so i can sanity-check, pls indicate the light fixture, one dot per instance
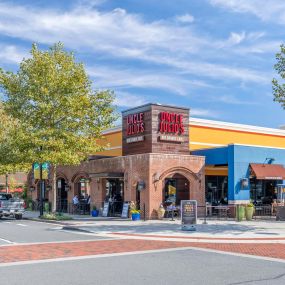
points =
(269, 160)
(49, 187)
(155, 179)
(32, 188)
(67, 188)
(140, 185)
(244, 183)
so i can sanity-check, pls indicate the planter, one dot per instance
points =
(240, 213)
(94, 213)
(249, 213)
(136, 217)
(160, 213)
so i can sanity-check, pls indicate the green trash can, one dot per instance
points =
(46, 206)
(240, 215)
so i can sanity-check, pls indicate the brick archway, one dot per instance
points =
(188, 174)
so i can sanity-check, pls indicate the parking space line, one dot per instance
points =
(21, 225)
(6, 240)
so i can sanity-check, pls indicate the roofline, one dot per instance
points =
(155, 104)
(234, 126)
(220, 125)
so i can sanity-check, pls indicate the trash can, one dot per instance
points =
(240, 215)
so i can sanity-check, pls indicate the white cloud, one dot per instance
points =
(236, 38)
(186, 18)
(119, 34)
(266, 10)
(203, 113)
(11, 54)
(130, 78)
(125, 99)
(230, 99)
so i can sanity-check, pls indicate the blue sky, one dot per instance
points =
(214, 56)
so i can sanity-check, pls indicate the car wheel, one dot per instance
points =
(18, 217)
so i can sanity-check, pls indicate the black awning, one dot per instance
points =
(107, 175)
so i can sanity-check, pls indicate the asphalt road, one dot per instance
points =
(168, 267)
(25, 231)
(174, 267)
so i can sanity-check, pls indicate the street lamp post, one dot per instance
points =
(41, 191)
(6, 180)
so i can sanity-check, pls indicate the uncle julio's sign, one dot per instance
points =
(156, 128)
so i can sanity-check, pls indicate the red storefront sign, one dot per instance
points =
(171, 123)
(135, 124)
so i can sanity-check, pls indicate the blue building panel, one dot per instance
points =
(238, 159)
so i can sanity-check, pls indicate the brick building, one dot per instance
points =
(155, 156)
(159, 148)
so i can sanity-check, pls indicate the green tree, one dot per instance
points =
(60, 114)
(277, 87)
(11, 159)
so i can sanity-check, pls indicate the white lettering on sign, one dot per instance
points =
(135, 139)
(171, 138)
(273, 178)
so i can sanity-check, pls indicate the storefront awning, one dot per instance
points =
(268, 171)
(107, 175)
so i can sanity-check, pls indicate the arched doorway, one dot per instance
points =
(176, 188)
(62, 203)
(80, 187)
(115, 195)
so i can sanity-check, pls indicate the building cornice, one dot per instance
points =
(220, 125)
(235, 127)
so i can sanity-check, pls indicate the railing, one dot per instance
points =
(264, 212)
(70, 208)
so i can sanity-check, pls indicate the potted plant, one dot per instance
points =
(161, 212)
(136, 215)
(94, 212)
(240, 212)
(249, 209)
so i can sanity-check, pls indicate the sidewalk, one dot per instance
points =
(259, 230)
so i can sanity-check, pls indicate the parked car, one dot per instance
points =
(11, 207)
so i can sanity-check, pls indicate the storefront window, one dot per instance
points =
(263, 191)
(216, 189)
(82, 188)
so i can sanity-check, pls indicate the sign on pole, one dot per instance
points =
(188, 214)
(45, 170)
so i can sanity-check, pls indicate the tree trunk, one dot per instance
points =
(54, 190)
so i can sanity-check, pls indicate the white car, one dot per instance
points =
(11, 207)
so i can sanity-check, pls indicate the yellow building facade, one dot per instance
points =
(209, 134)
(205, 134)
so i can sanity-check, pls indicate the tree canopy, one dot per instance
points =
(11, 158)
(278, 87)
(59, 114)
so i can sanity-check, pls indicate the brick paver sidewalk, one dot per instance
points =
(15, 253)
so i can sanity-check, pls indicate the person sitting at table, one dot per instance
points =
(223, 201)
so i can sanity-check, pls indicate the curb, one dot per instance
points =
(45, 221)
(70, 228)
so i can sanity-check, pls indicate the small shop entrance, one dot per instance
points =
(176, 188)
(115, 196)
(263, 192)
(62, 205)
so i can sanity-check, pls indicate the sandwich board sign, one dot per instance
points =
(105, 209)
(188, 214)
(125, 210)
